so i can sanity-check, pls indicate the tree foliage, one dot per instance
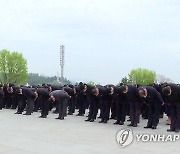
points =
(13, 67)
(34, 79)
(142, 76)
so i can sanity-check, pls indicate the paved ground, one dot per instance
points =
(31, 135)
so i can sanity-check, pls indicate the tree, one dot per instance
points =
(13, 67)
(92, 83)
(124, 80)
(162, 79)
(34, 79)
(142, 76)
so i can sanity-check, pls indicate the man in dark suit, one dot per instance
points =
(172, 93)
(94, 104)
(121, 101)
(105, 100)
(135, 103)
(31, 96)
(43, 93)
(155, 101)
(62, 98)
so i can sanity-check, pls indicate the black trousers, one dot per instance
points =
(93, 108)
(62, 107)
(113, 109)
(82, 104)
(175, 115)
(72, 104)
(121, 111)
(30, 106)
(1, 102)
(105, 110)
(154, 111)
(37, 104)
(135, 111)
(21, 106)
(45, 107)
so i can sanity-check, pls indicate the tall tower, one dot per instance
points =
(62, 60)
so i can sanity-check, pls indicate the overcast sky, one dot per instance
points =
(104, 39)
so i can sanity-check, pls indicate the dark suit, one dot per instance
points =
(174, 100)
(135, 103)
(62, 98)
(154, 101)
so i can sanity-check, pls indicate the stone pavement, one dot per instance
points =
(21, 134)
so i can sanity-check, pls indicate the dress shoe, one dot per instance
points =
(129, 120)
(70, 113)
(116, 123)
(87, 119)
(135, 125)
(58, 118)
(101, 121)
(154, 127)
(105, 121)
(130, 125)
(121, 123)
(18, 113)
(43, 116)
(171, 130)
(62, 118)
(27, 114)
(148, 127)
(92, 120)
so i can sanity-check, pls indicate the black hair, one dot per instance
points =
(166, 90)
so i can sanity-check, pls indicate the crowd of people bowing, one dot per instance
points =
(113, 102)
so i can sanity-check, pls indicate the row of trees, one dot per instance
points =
(34, 78)
(13, 69)
(144, 77)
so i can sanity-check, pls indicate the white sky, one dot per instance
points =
(104, 39)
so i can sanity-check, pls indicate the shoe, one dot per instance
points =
(87, 119)
(112, 118)
(148, 127)
(99, 117)
(43, 116)
(62, 118)
(70, 113)
(58, 118)
(129, 120)
(154, 127)
(27, 114)
(130, 125)
(101, 121)
(168, 124)
(18, 113)
(105, 121)
(92, 120)
(170, 130)
(135, 125)
(116, 123)
(121, 123)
